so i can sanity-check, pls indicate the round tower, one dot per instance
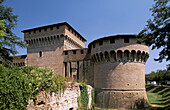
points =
(119, 71)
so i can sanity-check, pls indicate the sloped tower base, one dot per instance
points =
(128, 99)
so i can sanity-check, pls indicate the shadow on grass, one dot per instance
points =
(164, 91)
(159, 98)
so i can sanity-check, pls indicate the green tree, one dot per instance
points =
(157, 31)
(8, 40)
(2, 31)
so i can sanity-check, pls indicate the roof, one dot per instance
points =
(114, 36)
(57, 24)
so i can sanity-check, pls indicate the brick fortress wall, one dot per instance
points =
(114, 65)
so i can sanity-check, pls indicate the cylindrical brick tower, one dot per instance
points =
(119, 71)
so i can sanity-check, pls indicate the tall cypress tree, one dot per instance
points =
(9, 40)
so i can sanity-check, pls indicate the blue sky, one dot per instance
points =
(91, 18)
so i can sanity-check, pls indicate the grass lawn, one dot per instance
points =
(159, 97)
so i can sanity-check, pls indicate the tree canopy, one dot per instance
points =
(8, 39)
(2, 31)
(157, 31)
(161, 76)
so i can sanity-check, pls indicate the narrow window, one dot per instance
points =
(51, 28)
(66, 52)
(112, 40)
(34, 31)
(39, 30)
(100, 43)
(57, 27)
(82, 52)
(29, 32)
(45, 29)
(65, 64)
(74, 51)
(93, 45)
(126, 40)
(40, 54)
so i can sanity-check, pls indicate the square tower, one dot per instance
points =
(47, 43)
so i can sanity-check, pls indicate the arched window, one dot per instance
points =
(40, 54)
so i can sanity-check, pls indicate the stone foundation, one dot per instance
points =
(65, 100)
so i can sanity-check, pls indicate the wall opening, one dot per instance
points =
(82, 52)
(40, 54)
(106, 54)
(119, 55)
(113, 55)
(65, 65)
(126, 55)
(101, 56)
(100, 43)
(126, 40)
(74, 52)
(133, 55)
(112, 40)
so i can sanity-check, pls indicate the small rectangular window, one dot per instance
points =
(66, 52)
(112, 40)
(51, 28)
(74, 51)
(82, 52)
(94, 45)
(39, 30)
(45, 29)
(40, 54)
(126, 40)
(100, 43)
(57, 27)
(29, 32)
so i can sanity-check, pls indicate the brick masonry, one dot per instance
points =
(113, 64)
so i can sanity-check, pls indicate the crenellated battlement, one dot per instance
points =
(121, 56)
(44, 41)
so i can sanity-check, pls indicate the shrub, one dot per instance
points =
(84, 97)
(17, 85)
(14, 89)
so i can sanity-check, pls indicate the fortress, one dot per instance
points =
(113, 65)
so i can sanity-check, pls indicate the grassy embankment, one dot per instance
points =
(159, 97)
